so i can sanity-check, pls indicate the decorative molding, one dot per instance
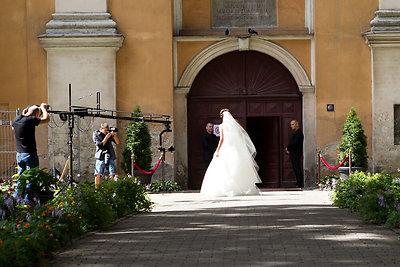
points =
(225, 46)
(244, 43)
(81, 30)
(181, 90)
(197, 38)
(386, 20)
(80, 24)
(85, 41)
(385, 29)
(307, 89)
(382, 39)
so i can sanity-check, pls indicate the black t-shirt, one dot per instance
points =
(24, 131)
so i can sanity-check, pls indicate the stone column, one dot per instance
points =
(81, 43)
(180, 135)
(384, 40)
(310, 147)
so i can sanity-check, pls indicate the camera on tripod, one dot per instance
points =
(113, 129)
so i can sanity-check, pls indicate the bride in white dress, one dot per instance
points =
(233, 170)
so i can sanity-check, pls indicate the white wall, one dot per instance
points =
(386, 85)
(69, 6)
(88, 70)
(389, 4)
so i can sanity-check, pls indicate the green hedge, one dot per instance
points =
(376, 197)
(29, 232)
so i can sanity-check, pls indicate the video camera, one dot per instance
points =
(113, 129)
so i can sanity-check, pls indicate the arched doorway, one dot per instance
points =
(262, 94)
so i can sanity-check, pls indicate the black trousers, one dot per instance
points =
(297, 171)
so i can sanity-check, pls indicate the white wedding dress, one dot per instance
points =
(234, 172)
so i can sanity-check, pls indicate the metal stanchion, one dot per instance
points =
(319, 167)
(349, 162)
(162, 169)
(133, 165)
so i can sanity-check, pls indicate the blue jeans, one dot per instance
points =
(101, 166)
(26, 161)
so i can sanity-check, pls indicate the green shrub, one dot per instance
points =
(374, 205)
(126, 196)
(40, 182)
(348, 192)
(393, 220)
(157, 186)
(29, 232)
(355, 140)
(138, 142)
(328, 182)
(376, 197)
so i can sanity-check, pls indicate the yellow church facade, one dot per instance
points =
(267, 61)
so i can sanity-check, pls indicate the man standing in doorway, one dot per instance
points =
(295, 151)
(24, 131)
(210, 143)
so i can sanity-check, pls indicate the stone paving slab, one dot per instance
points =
(276, 228)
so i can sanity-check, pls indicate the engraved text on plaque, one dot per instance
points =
(243, 13)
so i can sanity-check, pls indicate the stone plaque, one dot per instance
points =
(243, 13)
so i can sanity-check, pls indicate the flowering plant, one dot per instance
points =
(170, 186)
(376, 197)
(30, 231)
(36, 181)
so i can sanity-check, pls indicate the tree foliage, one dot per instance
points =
(138, 142)
(353, 138)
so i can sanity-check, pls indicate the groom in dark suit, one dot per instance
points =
(210, 143)
(295, 151)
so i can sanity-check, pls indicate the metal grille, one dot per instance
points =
(8, 151)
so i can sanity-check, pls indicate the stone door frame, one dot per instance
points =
(242, 44)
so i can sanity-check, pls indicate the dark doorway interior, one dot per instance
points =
(265, 134)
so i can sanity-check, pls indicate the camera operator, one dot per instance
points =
(105, 155)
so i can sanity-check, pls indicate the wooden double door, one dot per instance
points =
(262, 95)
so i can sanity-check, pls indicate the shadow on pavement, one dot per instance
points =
(276, 235)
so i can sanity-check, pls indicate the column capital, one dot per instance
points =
(81, 30)
(182, 90)
(307, 89)
(385, 29)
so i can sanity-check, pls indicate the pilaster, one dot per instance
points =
(384, 40)
(81, 42)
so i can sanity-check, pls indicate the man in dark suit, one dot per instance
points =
(295, 151)
(210, 143)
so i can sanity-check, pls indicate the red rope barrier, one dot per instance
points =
(332, 168)
(150, 172)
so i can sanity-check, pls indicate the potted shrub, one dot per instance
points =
(355, 140)
(41, 184)
(138, 141)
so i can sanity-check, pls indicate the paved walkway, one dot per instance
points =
(277, 228)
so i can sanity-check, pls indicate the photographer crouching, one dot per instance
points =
(105, 155)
